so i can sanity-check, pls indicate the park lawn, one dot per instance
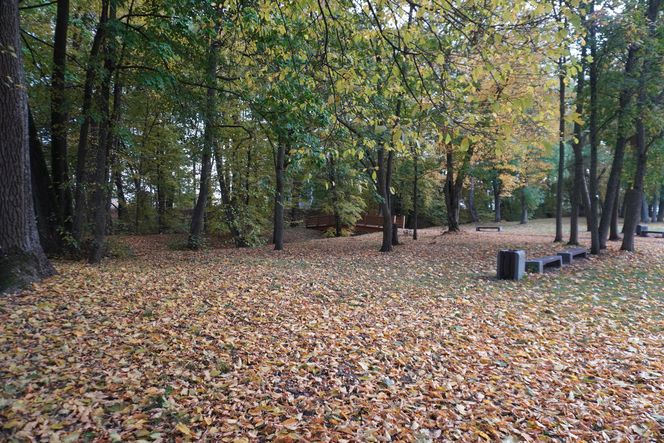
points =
(331, 340)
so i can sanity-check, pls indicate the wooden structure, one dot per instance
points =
(368, 223)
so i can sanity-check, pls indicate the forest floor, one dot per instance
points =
(331, 340)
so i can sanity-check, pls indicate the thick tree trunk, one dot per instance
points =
(279, 197)
(637, 191)
(100, 195)
(453, 186)
(83, 142)
(471, 202)
(561, 155)
(43, 196)
(613, 183)
(59, 160)
(524, 207)
(22, 259)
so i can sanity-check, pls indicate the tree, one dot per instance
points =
(22, 259)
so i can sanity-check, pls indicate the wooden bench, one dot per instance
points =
(494, 228)
(568, 255)
(539, 264)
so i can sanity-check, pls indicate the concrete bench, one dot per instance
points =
(539, 264)
(568, 255)
(489, 228)
(643, 231)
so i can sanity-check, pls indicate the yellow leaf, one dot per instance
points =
(184, 429)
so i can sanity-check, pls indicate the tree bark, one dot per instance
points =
(660, 212)
(83, 142)
(524, 207)
(636, 193)
(107, 125)
(614, 232)
(577, 147)
(453, 186)
(195, 240)
(22, 259)
(645, 213)
(594, 137)
(383, 192)
(390, 197)
(471, 201)
(44, 199)
(495, 183)
(279, 197)
(59, 161)
(613, 183)
(415, 196)
(561, 155)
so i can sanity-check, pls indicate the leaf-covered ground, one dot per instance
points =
(333, 341)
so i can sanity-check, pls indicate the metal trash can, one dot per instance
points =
(511, 264)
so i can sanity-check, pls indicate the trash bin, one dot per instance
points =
(511, 264)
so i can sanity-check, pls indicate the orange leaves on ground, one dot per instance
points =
(333, 341)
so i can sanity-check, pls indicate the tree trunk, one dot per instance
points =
(660, 212)
(561, 156)
(451, 201)
(119, 187)
(612, 186)
(645, 213)
(653, 212)
(594, 140)
(22, 259)
(59, 161)
(279, 197)
(106, 135)
(43, 196)
(453, 186)
(614, 232)
(195, 240)
(226, 201)
(471, 202)
(524, 207)
(577, 147)
(390, 198)
(415, 197)
(636, 193)
(383, 192)
(82, 151)
(332, 178)
(495, 183)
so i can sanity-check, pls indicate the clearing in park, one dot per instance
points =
(331, 340)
